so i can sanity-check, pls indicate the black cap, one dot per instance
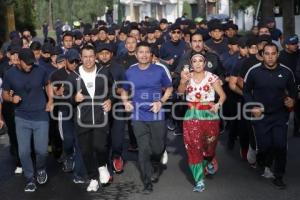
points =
(233, 40)
(215, 25)
(103, 28)
(35, 46)
(184, 22)
(60, 58)
(111, 31)
(231, 25)
(95, 31)
(242, 42)
(155, 50)
(103, 46)
(14, 48)
(252, 40)
(68, 33)
(47, 48)
(186, 31)
(123, 30)
(56, 50)
(27, 56)
(157, 28)
(87, 32)
(72, 54)
(269, 20)
(78, 35)
(192, 25)
(150, 30)
(174, 27)
(264, 38)
(14, 34)
(291, 40)
(163, 21)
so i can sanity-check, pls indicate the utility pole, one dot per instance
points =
(50, 22)
(132, 14)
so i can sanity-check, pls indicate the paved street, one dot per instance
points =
(235, 180)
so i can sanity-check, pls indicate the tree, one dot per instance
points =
(288, 17)
(187, 9)
(201, 8)
(267, 7)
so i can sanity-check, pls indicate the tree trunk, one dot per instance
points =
(50, 20)
(267, 9)
(10, 17)
(201, 8)
(288, 17)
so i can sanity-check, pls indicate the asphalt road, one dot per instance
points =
(235, 180)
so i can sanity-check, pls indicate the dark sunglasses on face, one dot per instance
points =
(178, 32)
(74, 61)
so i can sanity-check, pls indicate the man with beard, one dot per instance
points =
(25, 87)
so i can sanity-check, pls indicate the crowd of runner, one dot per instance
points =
(78, 95)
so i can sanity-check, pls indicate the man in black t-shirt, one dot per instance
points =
(289, 56)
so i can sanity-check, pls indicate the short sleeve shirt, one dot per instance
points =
(146, 87)
(203, 91)
(31, 88)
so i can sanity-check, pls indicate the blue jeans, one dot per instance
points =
(70, 143)
(26, 129)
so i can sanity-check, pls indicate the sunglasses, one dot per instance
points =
(74, 61)
(178, 32)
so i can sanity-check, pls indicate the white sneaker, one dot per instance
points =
(103, 174)
(18, 170)
(251, 156)
(268, 173)
(164, 158)
(93, 186)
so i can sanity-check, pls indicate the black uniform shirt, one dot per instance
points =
(269, 87)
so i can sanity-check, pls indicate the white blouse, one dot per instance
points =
(203, 91)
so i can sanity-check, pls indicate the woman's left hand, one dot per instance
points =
(215, 108)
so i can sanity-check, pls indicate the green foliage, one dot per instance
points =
(24, 15)
(243, 4)
(187, 9)
(71, 10)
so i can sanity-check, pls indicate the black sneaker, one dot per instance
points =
(68, 165)
(30, 187)
(148, 188)
(155, 174)
(42, 177)
(171, 125)
(78, 179)
(279, 184)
